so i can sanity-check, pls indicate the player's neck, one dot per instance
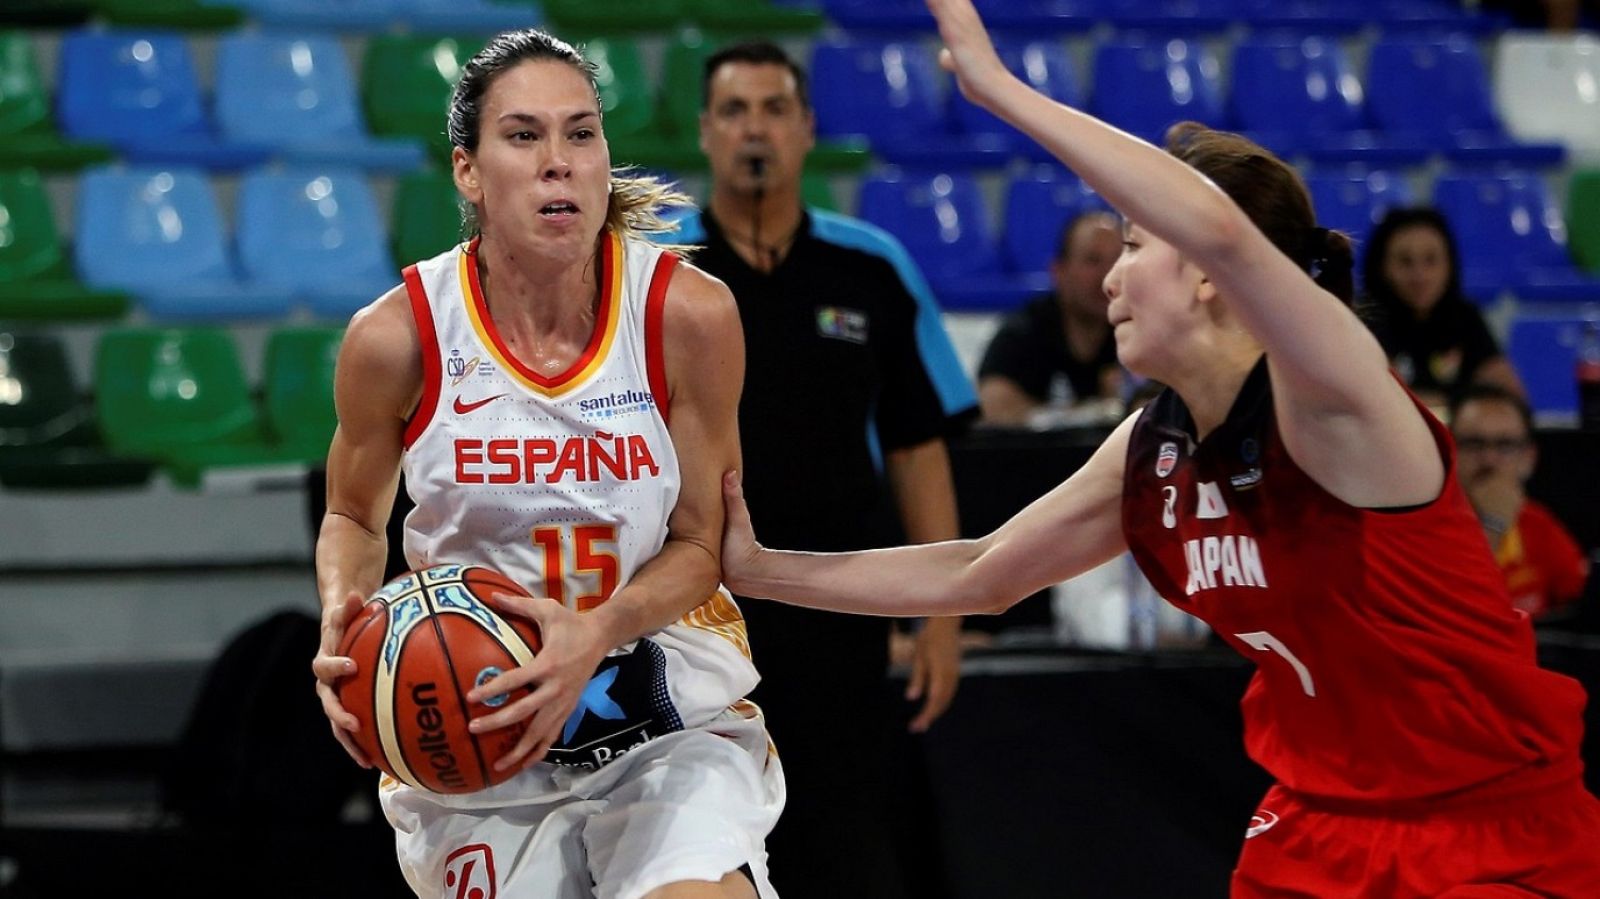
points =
(535, 295)
(1210, 392)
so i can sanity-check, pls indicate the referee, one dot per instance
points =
(851, 386)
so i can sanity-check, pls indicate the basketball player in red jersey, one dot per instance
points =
(1291, 493)
(523, 381)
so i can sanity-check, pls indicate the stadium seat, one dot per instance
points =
(892, 93)
(1042, 65)
(879, 15)
(298, 389)
(47, 429)
(1043, 17)
(1544, 351)
(613, 16)
(1321, 18)
(427, 216)
(753, 16)
(470, 16)
(1355, 201)
(1511, 237)
(1434, 91)
(36, 279)
(406, 82)
(1144, 87)
(942, 221)
(158, 234)
(1583, 219)
(1299, 95)
(185, 14)
(1174, 17)
(315, 233)
(179, 396)
(28, 136)
(1548, 87)
(625, 92)
(683, 67)
(1038, 205)
(296, 95)
(138, 91)
(326, 15)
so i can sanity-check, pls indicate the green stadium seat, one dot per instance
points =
(36, 281)
(753, 16)
(45, 13)
(406, 82)
(815, 190)
(299, 390)
(1583, 219)
(625, 92)
(684, 68)
(179, 396)
(427, 216)
(184, 14)
(613, 16)
(28, 135)
(47, 431)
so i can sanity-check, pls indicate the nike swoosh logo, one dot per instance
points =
(463, 408)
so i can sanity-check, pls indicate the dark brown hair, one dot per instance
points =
(1271, 193)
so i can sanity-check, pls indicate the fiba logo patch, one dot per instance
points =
(1166, 459)
(469, 873)
(484, 676)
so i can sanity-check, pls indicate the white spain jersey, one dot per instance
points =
(564, 484)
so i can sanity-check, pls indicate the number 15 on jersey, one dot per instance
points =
(581, 557)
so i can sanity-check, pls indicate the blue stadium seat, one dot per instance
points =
(1174, 17)
(316, 233)
(296, 94)
(1435, 91)
(892, 93)
(1544, 351)
(1039, 204)
(1424, 16)
(1145, 86)
(1355, 201)
(879, 15)
(138, 91)
(1511, 237)
(1300, 95)
(1035, 17)
(350, 15)
(1043, 65)
(468, 16)
(157, 234)
(945, 227)
(1300, 17)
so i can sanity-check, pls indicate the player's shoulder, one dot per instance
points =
(383, 334)
(699, 301)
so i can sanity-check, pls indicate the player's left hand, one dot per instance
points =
(571, 648)
(935, 670)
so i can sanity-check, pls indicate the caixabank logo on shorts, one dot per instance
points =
(624, 706)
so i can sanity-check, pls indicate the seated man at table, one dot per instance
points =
(1544, 566)
(1056, 356)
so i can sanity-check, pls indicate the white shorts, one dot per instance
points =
(691, 805)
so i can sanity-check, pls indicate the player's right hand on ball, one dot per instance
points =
(329, 668)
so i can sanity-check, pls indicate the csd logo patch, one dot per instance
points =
(469, 873)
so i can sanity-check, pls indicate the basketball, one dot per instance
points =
(419, 644)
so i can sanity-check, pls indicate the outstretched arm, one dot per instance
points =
(1344, 418)
(1068, 531)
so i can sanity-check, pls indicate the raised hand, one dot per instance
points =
(968, 52)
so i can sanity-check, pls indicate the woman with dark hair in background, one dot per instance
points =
(1287, 490)
(643, 773)
(1435, 337)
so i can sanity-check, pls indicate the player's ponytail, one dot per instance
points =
(1271, 193)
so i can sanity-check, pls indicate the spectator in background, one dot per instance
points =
(1435, 337)
(1543, 564)
(1057, 351)
(850, 388)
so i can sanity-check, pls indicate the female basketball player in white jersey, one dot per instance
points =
(562, 396)
(1287, 490)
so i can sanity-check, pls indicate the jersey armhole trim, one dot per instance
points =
(655, 352)
(431, 371)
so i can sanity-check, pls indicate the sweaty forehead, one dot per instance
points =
(544, 87)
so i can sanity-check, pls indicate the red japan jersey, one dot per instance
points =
(1390, 664)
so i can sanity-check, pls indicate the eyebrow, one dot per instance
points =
(539, 120)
